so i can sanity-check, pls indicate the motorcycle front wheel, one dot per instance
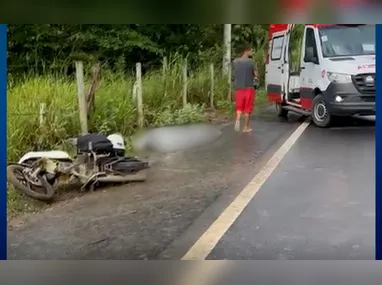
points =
(16, 177)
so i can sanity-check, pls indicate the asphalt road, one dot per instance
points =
(318, 204)
(319, 201)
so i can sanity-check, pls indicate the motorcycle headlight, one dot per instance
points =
(339, 77)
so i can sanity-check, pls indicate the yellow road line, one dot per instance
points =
(207, 242)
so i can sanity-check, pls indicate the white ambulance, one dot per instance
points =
(321, 70)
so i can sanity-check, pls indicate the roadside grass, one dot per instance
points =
(114, 111)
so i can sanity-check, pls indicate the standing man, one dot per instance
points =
(243, 76)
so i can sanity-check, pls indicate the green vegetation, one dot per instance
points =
(41, 71)
(114, 107)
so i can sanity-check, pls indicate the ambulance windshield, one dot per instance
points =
(349, 40)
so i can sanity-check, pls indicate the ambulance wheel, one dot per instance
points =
(320, 113)
(281, 112)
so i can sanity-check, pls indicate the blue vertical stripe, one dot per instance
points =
(378, 158)
(3, 141)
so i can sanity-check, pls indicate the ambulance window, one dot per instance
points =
(310, 42)
(277, 47)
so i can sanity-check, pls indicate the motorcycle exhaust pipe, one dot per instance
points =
(136, 177)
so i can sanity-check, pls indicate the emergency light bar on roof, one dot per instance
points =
(275, 28)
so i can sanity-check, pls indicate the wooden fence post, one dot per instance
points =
(139, 94)
(229, 75)
(42, 114)
(82, 100)
(185, 83)
(212, 90)
(165, 67)
(96, 69)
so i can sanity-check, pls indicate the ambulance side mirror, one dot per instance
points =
(310, 56)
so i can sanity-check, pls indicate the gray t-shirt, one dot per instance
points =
(242, 73)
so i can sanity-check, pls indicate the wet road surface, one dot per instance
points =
(140, 221)
(319, 203)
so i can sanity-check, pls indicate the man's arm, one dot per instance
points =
(232, 80)
(255, 77)
(255, 74)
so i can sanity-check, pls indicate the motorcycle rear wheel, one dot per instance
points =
(16, 177)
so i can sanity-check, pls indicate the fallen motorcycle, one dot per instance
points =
(99, 159)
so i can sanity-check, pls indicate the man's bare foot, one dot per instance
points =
(237, 126)
(247, 130)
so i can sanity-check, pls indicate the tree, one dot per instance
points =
(41, 48)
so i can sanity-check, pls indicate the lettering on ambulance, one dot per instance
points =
(366, 66)
(306, 97)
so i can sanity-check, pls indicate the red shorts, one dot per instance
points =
(244, 99)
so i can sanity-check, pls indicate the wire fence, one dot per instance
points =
(85, 101)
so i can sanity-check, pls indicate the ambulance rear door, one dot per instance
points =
(275, 63)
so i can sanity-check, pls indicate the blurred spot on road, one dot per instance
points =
(176, 138)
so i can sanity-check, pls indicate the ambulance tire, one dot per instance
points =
(281, 112)
(320, 113)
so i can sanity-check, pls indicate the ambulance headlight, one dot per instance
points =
(339, 77)
(338, 99)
